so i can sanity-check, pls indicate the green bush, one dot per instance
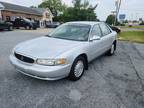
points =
(142, 23)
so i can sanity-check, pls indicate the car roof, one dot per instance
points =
(84, 22)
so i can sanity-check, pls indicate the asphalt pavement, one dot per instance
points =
(111, 81)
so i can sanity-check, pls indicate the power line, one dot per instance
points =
(118, 5)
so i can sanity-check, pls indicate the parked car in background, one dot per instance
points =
(52, 24)
(6, 25)
(130, 24)
(114, 28)
(37, 23)
(26, 23)
(65, 52)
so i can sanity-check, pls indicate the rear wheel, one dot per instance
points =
(112, 49)
(34, 28)
(10, 28)
(77, 69)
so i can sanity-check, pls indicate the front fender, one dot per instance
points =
(73, 53)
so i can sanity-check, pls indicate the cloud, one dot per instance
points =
(24, 2)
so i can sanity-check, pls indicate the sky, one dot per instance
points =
(134, 9)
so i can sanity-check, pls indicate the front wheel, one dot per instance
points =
(27, 27)
(77, 69)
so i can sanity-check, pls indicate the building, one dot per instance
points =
(9, 12)
(47, 15)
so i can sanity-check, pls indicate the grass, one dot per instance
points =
(133, 36)
(138, 27)
(134, 27)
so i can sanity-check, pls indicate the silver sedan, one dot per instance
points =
(65, 52)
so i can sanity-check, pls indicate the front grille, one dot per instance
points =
(24, 58)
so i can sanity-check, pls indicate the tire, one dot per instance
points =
(112, 50)
(77, 69)
(27, 27)
(10, 28)
(34, 28)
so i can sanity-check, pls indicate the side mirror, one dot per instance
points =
(95, 38)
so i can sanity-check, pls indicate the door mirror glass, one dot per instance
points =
(95, 38)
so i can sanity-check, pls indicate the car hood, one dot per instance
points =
(45, 47)
(9, 23)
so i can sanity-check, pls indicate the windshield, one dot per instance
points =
(1, 21)
(75, 32)
(27, 20)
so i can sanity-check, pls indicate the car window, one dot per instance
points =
(1, 21)
(96, 31)
(27, 20)
(105, 29)
(75, 32)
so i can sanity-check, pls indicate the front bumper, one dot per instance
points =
(40, 71)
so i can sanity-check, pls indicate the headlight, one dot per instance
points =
(51, 62)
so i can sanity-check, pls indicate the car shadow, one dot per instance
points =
(19, 78)
(3, 31)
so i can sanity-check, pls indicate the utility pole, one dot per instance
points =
(118, 5)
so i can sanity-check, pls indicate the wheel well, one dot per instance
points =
(86, 58)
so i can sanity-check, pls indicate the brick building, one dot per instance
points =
(8, 12)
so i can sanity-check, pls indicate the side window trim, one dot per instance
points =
(101, 31)
(107, 28)
(93, 29)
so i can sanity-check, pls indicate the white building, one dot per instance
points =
(47, 16)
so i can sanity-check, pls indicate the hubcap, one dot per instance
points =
(11, 27)
(112, 49)
(79, 68)
(27, 27)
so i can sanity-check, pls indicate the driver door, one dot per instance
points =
(22, 23)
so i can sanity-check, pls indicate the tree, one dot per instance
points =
(33, 7)
(86, 4)
(110, 19)
(54, 5)
(77, 4)
(126, 21)
(81, 10)
(142, 23)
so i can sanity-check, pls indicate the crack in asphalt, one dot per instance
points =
(110, 84)
(135, 69)
(111, 74)
(132, 64)
(138, 52)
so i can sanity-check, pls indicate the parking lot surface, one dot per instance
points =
(111, 81)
